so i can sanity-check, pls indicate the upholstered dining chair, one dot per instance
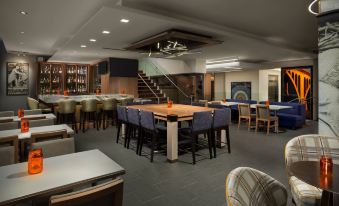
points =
(309, 148)
(264, 115)
(106, 194)
(6, 114)
(133, 129)
(121, 119)
(35, 104)
(109, 107)
(250, 187)
(89, 113)
(201, 124)
(221, 121)
(9, 150)
(245, 113)
(148, 126)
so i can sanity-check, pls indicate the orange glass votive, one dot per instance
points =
(21, 112)
(35, 161)
(326, 165)
(169, 103)
(224, 100)
(24, 125)
(97, 91)
(267, 103)
(65, 93)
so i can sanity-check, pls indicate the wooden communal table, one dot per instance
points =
(177, 113)
(309, 172)
(60, 173)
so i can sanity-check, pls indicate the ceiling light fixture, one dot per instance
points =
(22, 32)
(23, 12)
(92, 40)
(124, 20)
(310, 7)
(106, 32)
(83, 46)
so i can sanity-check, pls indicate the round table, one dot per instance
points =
(309, 172)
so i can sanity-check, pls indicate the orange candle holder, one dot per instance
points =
(21, 112)
(326, 165)
(66, 93)
(267, 103)
(24, 125)
(169, 103)
(35, 161)
(224, 100)
(97, 91)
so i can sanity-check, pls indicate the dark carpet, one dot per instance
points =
(184, 184)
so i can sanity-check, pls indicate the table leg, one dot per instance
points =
(172, 140)
(327, 198)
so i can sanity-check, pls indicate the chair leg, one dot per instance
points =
(138, 140)
(249, 124)
(256, 126)
(228, 139)
(127, 135)
(153, 146)
(118, 132)
(97, 120)
(239, 122)
(74, 122)
(209, 139)
(268, 127)
(193, 149)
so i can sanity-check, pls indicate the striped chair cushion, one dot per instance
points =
(309, 148)
(249, 187)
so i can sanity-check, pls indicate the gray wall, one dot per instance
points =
(14, 102)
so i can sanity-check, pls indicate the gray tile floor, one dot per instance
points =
(183, 184)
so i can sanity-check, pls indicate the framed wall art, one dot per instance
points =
(17, 78)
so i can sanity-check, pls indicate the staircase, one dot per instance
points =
(147, 89)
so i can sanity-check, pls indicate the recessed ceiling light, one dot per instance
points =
(23, 12)
(92, 40)
(83, 46)
(106, 32)
(124, 20)
(22, 32)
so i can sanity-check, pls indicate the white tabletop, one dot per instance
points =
(17, 119)
(273, 107)
(26, 135)
(227, 104)
(60, 173)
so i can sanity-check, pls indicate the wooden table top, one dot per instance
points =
(309, 172)
(180, 110)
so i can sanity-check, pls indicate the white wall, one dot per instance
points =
(219, 86)
(263, 86)
(171, 66)
(243, 76)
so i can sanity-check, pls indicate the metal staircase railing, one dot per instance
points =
(162, 73)
(150, 88)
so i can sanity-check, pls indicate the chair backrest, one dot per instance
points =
(89, 105)
(244, 109)
(133, 116)
(203, 102)
(147, 120)
(8, 126)
(221, 118)
(56, 147)
(107, 104)
(263, 112)
(9, 150)
(122, 113)
(44, 136)
(247, 186)
(33, 112)
(32, 103)
(216, 106)
(67, 106)
(6, 114)
(202, 121)
(106, 194)
(310, 148)
(41, 122)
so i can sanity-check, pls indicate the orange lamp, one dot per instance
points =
(21, 112)
(24, 125)
(326, 165)
(169, 103)
(35, 161)
(267, 103)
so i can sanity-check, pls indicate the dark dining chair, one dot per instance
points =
(121, 119)
(201, 124)
(221, 121)
(148, 126)
(133, 129)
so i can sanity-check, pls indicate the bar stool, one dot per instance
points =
(133, 120)
(66, 113)
(221, 121)
(121, 119)
(109, 107)
(89, 113)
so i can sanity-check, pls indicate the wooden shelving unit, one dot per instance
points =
(55, 78)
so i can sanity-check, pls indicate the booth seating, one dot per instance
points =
(309, 148)
(291, 118)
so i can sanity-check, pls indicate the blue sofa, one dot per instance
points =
(291, 118)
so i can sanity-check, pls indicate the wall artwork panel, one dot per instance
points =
(328, 44)
(17, 78)
(241, 90)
